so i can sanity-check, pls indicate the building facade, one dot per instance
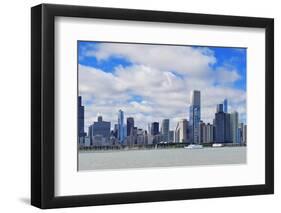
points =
(195, 116)
(244, 134)
(99, 132)
(165, 127)
(210, 133)
(121, 127)
(130, 125)
(225, 106)
(180, 131)
(222, 126)
(203, 132)
(171, 136)
(154, 128)
(81, 111)
(234, 118)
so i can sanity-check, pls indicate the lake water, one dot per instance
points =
(160, 158)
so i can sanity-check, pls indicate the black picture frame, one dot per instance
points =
(43, 105)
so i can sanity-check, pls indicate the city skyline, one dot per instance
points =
(226, 128)
(112, 76)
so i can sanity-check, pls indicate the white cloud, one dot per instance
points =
(161, 57)
(162, 78)
(225, 76)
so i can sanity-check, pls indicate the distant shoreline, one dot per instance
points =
(94, 150)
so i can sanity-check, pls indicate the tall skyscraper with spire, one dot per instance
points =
(81, 112)
(195, 116)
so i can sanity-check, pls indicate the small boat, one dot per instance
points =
(217, 145)
(194, 146)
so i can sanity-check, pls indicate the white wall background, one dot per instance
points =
(15, 105)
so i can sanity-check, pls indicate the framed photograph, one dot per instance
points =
(140, 106)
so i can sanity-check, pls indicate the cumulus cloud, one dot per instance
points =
(225, 76)
(157, 84)
(162, 57)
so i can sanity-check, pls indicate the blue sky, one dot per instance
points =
(153, 82)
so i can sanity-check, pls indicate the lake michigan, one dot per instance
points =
(129, 159)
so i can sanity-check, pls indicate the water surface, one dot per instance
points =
(160, 158)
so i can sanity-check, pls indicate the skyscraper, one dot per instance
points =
(222, 126)
(165, 129)
(154, 128)
(101, 127)
(149, 128)
(171, 136)
(99, 118)
(245, 134)
(115, 131)
(121, 129)
(227, 129)
(225, 106)
(203, 132)
(234, 127)
(130, 125)
(195, 116)
(239, 135)
(220, 108)
(81, 132)
(220, 129)
(90, 133)
(210, 133)
(180, 131)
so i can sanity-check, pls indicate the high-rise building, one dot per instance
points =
(206, 132)
(203, 132)
(210, 133)
(234, 127)
(177, 133)
(239, 135)
(87, 141)
(187, 132)
(130, 125)
(180, 131)
(115, 131)
(165, 127)
(81, 131)
(132, 138)
(195, 116)
(141, 137)
(222, 126)
(225, 106)
(220, 108)
(121, 129)
(220, 123)
(244, 134)
(149, 128)
(227, 128)
(90, 133)
(171, 136)
(101, 128)
(154, 128)
(99, 118)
